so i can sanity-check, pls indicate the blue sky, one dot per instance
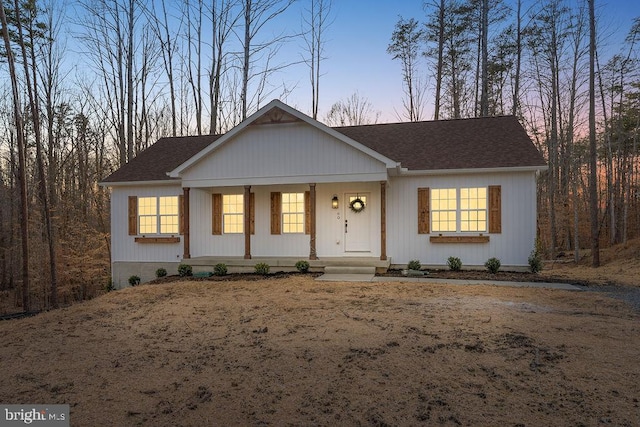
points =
(357, 59)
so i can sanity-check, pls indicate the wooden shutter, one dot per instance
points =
(276, 213)
(252, 213)
(423, 211)
(181, 214)
(307, 212)
(216, 214)
(495, 209)
(133, 215)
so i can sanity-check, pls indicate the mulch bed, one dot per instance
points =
(507, 276)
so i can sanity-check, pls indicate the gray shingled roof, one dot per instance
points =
(165, 155)
(491, 142)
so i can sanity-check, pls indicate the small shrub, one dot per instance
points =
(109, 286)
(535, 261)
(454, 263)
(493, 265)
(302, 266)
(262, 268)
(220, 269)
(161, 272)
(134, 280)
(185, 270)
(414, 264)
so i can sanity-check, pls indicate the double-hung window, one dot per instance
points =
(473, 209)
(444, 209)
(158, 215)
(293, 212)
(233, 213)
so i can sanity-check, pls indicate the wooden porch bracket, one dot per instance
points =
(383, 220)
(185, 219)
(247, 222)
(312, 213)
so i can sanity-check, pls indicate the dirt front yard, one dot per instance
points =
(294, 351)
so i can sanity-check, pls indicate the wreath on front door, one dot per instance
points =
(357, 205)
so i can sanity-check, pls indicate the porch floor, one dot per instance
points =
(241, 265)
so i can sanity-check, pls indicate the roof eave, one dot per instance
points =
(136, 183)
(406, 172)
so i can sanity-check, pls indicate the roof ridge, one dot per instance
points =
(459, 119)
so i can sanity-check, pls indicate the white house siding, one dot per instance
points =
(329, 223)
(512, 246)
(294, 153)
(127, 256)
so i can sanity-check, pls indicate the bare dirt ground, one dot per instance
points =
(294, 351)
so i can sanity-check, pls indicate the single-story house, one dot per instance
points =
(282, 187)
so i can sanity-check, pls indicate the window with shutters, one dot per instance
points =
(467, 209)
(293, 212)
(233, 213)
(158, 215)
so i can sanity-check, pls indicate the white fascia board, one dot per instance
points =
(282, 180)
(292, 111)
(140, 183)
(405, 172)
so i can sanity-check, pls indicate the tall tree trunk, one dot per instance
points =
(515, 108)
(246, 56)
(130, 84)
(593, 153)
(484, 90)
(22, 169)
(32, 92)
(440, 64)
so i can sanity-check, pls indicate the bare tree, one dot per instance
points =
(22, 169)
(316, 23)
(223, 20)
(352, 111)
(109, 36)
(593, 153)
(256, 14)
(31, 83)
(168, 45)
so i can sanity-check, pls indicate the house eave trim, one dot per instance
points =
(177, 182)
(405, 172)
(282, 180)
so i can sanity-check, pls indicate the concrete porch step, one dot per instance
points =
(345, 269)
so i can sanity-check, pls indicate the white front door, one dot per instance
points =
(357, 236)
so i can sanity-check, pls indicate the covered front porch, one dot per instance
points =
(331, 228)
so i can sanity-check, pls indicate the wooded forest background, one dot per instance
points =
(150, 69)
